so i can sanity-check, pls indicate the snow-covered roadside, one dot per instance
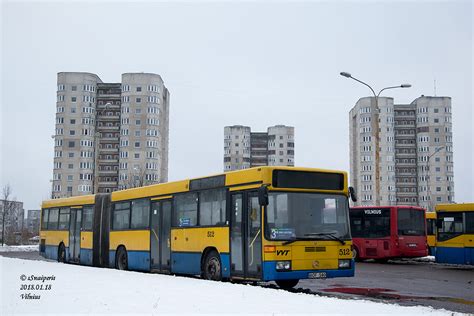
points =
(78, 289)
(19, 248)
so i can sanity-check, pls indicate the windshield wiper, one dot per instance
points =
(295, 239)
(330, 235)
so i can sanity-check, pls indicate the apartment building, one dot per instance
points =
(109, 136)
(416, 151)
(245, 149)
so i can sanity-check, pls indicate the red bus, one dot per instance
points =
(386, 232)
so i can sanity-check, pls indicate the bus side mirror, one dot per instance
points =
(352, 194)
(263, 196)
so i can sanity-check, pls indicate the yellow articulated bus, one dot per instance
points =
(278, 224)
(431, 232)
(455, 235)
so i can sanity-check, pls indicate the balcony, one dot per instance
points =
(108, 161)
(109, 150)
(108, 172)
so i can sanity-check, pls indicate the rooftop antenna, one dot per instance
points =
(435, 87)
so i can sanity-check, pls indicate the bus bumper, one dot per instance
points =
(270, 273)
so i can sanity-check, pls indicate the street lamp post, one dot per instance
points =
(428, 176)
(375, 129)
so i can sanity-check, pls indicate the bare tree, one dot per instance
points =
(7, 207)
(136, 178)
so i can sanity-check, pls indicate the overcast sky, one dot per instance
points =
(251, 63)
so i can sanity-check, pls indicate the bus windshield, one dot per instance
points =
(370, 223)
(411, 222)
(292, 216)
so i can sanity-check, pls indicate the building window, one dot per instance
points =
(73, 99)
(70, 166)
(72, 132)
(137, 155)
(137, 144)
(138, 100)
(139, 89)
(71, 144)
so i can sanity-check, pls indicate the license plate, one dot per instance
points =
(317, 275)
(412, 245)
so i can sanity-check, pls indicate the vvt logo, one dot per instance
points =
(282, 252)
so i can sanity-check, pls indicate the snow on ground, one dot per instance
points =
(79, 289)
(19, 248)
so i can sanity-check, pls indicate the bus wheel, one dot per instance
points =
(355, 254)
(287, 284)
(212, 267)
(121, 260)
(61, 253)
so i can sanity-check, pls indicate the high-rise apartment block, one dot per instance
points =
(109, 136)
(245, 149)
(415, 151)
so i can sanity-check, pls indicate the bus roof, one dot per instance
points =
(369, 207)
(246, 177)
(454, 207)
(240, 178)
(70, 201)
(430, 215)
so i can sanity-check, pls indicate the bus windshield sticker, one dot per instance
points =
(186, 221)
(283, 233)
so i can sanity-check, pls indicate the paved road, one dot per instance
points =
(399, 282)
(405, 283)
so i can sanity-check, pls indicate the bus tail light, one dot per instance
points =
(269, 249)
(283, 265)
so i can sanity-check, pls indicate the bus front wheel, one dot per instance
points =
(121, 260)
(287, 284)
(212, 267)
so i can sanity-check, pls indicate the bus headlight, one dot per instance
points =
(344, 264)
(283, 265)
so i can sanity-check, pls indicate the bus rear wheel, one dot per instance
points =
(212, 268)
(121, 260)
(287, 284)
(61, 253)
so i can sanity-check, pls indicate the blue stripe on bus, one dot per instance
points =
(86, 256)
(455, 255)
(111, 258)
(432, 251)
(137, 260)
(190, 263)
(186, 262)
(51, 252)
(270, 273)
(225, 261)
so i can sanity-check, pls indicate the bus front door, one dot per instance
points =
(75, 235)
(246, 240)
(160, 230)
